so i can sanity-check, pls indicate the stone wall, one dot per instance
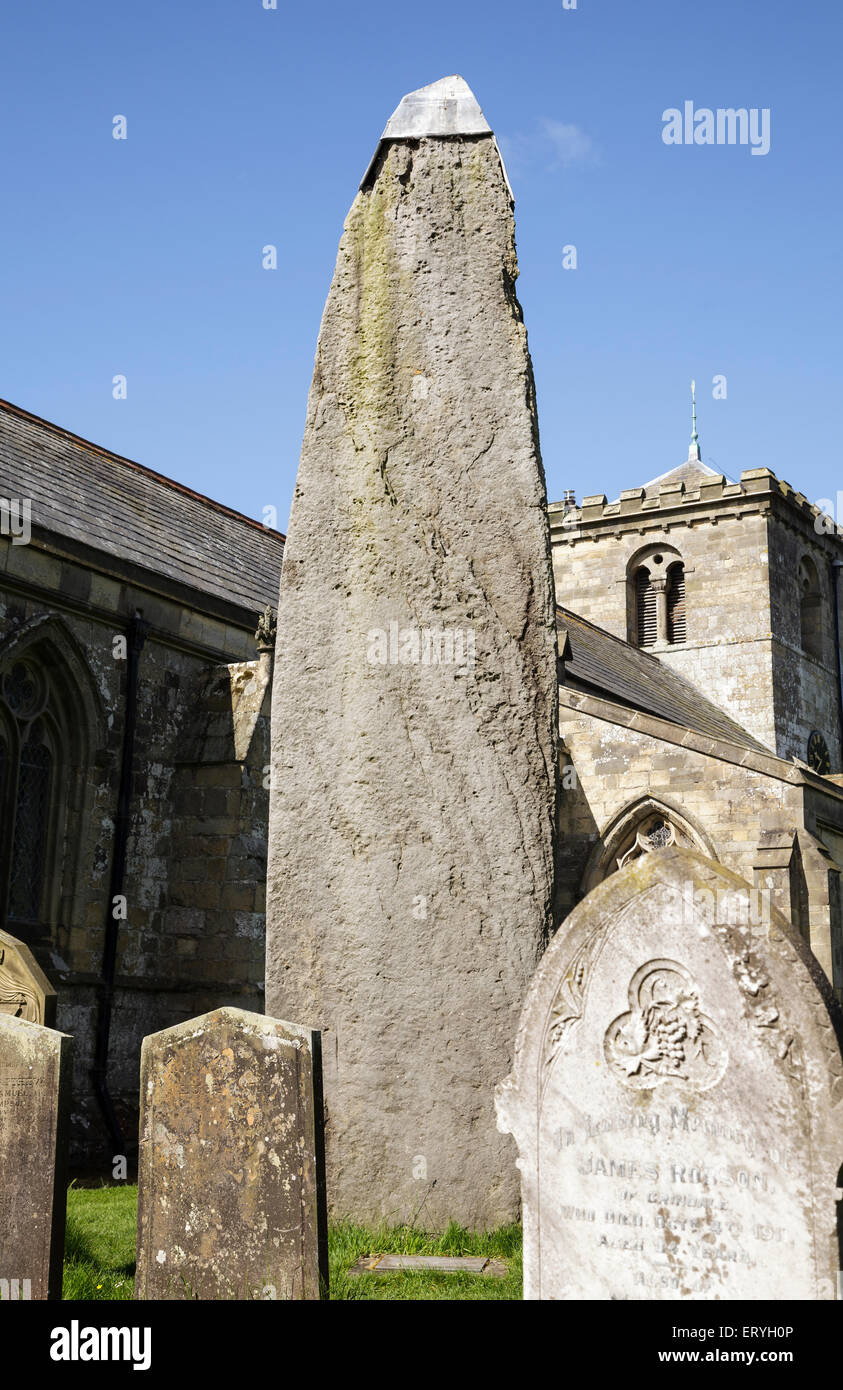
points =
(738, 805)
(196, 857)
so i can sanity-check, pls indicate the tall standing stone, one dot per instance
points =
(231, 1199)
(677, 1097)
(415, 702)
(34, 1111)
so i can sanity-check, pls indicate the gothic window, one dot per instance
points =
(645, 596)
(810, 608)
(51, 723)
(645, 826)
(654, 833)
(27, 778)
(676, 602)
(29, 843)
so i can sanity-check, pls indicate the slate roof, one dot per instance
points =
(90, 495)
(604, 665)
(692, 472)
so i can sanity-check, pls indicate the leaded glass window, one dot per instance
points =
(29, 846)
(27, 776)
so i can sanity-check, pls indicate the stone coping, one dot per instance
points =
(768, 764)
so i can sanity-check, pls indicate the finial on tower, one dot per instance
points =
(694, 449)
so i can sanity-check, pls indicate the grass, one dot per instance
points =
(100, 1254)
(99, 1244)
(346, 1244)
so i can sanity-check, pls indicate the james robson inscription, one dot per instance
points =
(676, 1098)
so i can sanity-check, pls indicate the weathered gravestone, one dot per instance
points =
(414, 713)
(34, 1107)
(677, 1097)
(231, 1200)
(25, 991)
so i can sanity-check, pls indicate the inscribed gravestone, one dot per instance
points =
(25, 991)
(231, 1171)
(414, 718)
(34, 1106)
(677, 1097)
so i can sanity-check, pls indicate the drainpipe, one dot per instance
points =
(836, 566)
(99, 1072)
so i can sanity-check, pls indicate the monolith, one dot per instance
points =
(414, 708)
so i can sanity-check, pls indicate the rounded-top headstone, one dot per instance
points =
(677, 1096)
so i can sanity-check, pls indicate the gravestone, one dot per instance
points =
(231, 1200)
(677, 1097)
(412, 800)
(34, 1109)
(25, 991)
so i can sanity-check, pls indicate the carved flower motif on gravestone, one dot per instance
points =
(665, 1036)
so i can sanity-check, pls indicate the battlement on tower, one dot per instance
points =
(673, 501)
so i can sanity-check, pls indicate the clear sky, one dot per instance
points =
(249, 126)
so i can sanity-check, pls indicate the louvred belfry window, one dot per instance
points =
(810, 608)
(676, 630)
(645, 598)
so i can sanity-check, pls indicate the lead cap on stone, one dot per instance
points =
(446, 109)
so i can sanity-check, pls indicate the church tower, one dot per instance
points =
(734, 585)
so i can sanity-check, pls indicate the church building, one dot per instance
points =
(134, 747)
(700, 687)
(700, 692)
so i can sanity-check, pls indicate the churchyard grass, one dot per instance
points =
(100, 1255)
(348, 1243)
(99, 1243)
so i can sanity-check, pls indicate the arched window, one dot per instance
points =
(645, 596)
(656, 597)
(51, 718)
(676, 602)
(27, 763)
(810, 608)
(644, 826)
(29, 844)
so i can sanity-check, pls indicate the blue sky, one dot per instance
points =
(249, 126)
